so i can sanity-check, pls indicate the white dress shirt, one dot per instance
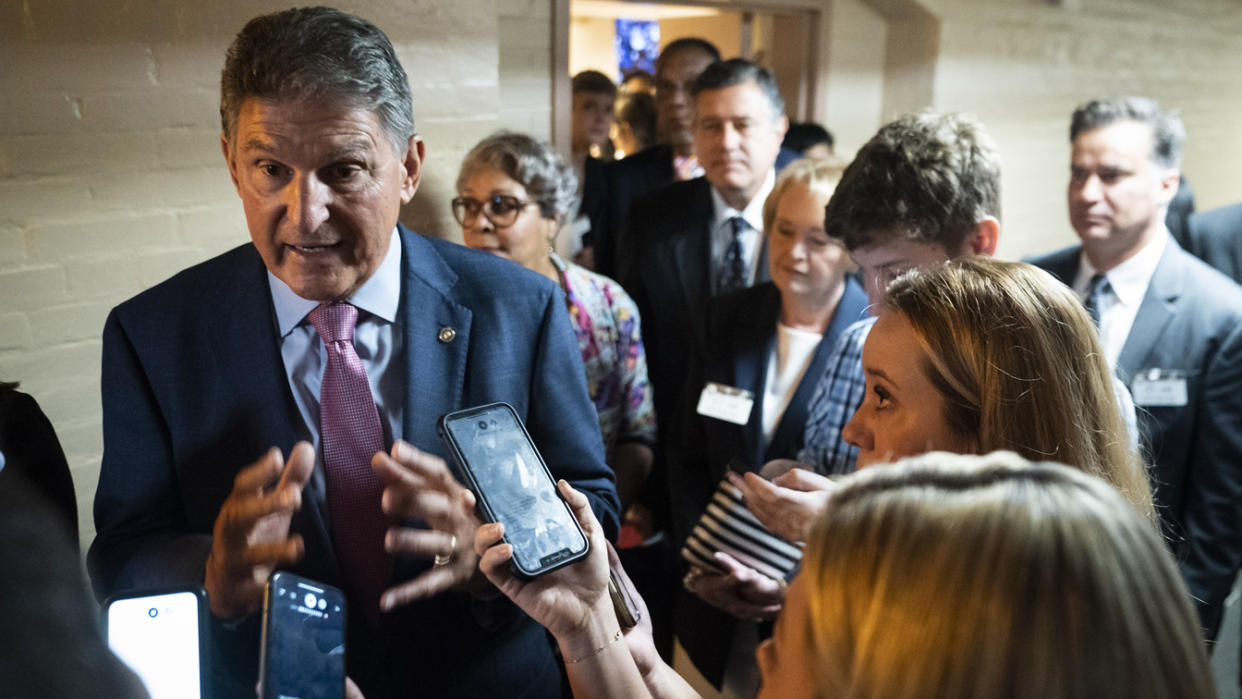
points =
(378, 344)
(1127, 285)
(722, 230)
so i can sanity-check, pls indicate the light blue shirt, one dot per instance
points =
(376, 339)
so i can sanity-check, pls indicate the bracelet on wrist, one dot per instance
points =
(615, 637)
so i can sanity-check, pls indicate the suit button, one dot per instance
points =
(447, 334)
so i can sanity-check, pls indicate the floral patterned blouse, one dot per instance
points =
(609, 334)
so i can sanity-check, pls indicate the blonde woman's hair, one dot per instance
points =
(820, 176)
(964, 577)
(1021, 368)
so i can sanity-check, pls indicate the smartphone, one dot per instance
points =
(623, 605)
(303, 642)
(162, 636)
(497, 460)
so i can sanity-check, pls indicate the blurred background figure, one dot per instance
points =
(594, 95)
(30, 451)
(1181, 208)
(514, 193)
(670, 160)
(808, 139)
(638, 80)
(52, 645)
(634, 129)
(1215, 237)
(772, 340)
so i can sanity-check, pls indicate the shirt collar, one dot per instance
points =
(1129, 279)
(378, 295)
(753, 213)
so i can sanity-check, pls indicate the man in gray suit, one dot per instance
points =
(1171, 327)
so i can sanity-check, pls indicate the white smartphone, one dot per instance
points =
(162, 637)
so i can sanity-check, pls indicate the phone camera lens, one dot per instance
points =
(482, 424)
(153, 612)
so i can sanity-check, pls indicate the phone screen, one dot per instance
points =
(303, 640)
(157, 636)
(513, 481)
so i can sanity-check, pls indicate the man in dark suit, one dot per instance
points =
(1216, 238)
(698, 238)
(210, 378)
(607, 199)
(703, 237)
(1171, 327)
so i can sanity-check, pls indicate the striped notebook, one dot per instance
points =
(727, 526)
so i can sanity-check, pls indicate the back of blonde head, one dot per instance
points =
(966, 576)
(1021, 367)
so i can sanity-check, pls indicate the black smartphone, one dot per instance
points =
(623, 605)
(162, 636)
(303, 644)
(497, 460)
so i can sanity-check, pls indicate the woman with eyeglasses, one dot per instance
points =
(514, 194)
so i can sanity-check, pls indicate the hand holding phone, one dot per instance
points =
(562, 599)
(497, 460)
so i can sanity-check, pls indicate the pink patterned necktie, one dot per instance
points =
(349, 427)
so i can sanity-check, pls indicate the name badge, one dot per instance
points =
(1160, 387)
(725, 403)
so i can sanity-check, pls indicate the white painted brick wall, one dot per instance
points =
(1022, 67)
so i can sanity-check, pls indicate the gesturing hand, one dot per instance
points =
(562, 599)
(251, 534)
(789, 504)
(419, 486)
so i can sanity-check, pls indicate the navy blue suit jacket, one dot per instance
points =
(194, 389)
(1189, 321)
(1216, 238)
(740, 335)
(607, 197)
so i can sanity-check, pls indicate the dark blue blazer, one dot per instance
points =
(1216, 238)
(1190, 321)
(194, 389)
(608, 193)
(740, 336)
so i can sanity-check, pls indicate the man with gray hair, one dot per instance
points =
(1171, 327)
(276, 406)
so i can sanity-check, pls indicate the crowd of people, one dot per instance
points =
(1018, 479)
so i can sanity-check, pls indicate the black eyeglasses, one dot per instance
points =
(502, 210)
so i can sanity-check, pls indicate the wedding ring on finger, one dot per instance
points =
(443, 559)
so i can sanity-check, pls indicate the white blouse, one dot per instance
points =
(787, 363)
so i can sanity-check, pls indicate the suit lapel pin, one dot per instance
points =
(447, 334)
